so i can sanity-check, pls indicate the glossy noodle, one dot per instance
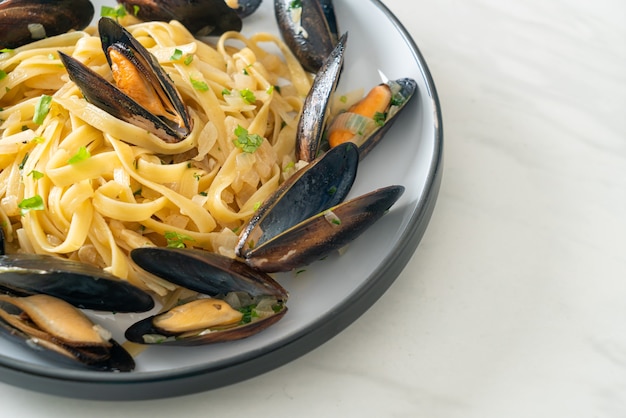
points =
(84, 185)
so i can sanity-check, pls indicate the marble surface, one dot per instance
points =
(514, 303)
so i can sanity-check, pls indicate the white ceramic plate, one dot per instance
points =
(330, 294)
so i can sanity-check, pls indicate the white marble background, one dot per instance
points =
(514, 304)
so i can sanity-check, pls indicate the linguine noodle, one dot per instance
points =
(84, 185)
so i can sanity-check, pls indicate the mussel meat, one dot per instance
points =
(60, 331)
(145, 95)
(309, 28)
(25, 21)
(233, 301)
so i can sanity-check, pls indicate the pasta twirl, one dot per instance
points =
(82, 184)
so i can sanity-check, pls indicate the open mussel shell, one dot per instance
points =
(60, 332)
(103, 94)
(315, 109)
(322, 184)
(309, 28)
(212, 276)
(403, 90)
(328, 231)
(79, 284)
(200, 17)
(26, 21)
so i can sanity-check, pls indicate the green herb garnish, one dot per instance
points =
(31, 203)
(2, 74)
(36, 174)
(199, 85)
(176, 55)
(397, 99)
(248, 96)
(113, 12)
(81, 155)
(246, 141)
(23, 162)
(42, 108)
(248, 312)
(188, 59)
(176, 240)
(380, 118)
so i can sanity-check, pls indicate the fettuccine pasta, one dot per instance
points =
(76, 182)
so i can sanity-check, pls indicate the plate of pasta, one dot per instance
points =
(77, 182)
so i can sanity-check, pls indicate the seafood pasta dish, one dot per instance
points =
(143, 160)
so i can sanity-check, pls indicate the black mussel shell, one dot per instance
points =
(246, 7)
(26, 21)
(310, 31)
(328, 231)
(200, 17)
(205, 272)
(320, 185)
(109, 98)
(209, 274)
(316, 105)
(79, 284)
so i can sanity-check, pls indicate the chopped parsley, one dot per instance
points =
(42, 108)
(36, 174)
(31, 203)
(248, 312)
(397, 99)
(115, 12)
(248, 96)
(380, 118)
(23, 162)
(2, 74)
(176, 240)
(81, 155)
(295, 4)
(188, 59)
(176, 55)
(247, 142)
(199, 85)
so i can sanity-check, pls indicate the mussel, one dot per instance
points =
(233, 301)
(145, 95)
(309, 28)
(200, 17)
(25, 21)
(80, 284)
(305, 219)
(59, 331)
(39, 300)
(364, 123)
